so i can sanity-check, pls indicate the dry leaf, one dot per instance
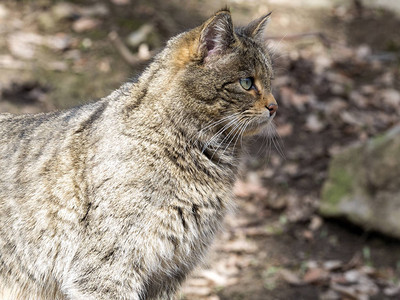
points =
(331, 265)
(315, 275)
(314, 124)
(290, 277)
(85, 24)
(316, 223)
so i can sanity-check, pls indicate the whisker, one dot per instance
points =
(279, 43)
(277, 141)
(264, 142)
(237, 134)
(284, 69)
(241, 136)
(219, 121)
(268, 141)
(219, 132)
(270, 134)
(227, 136)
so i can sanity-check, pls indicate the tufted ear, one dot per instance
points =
(216, 34)
(256, 28)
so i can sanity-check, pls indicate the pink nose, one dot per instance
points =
(272, 108)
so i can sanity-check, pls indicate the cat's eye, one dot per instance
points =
(246, 83)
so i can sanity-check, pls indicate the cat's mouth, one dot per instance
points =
(259, 123)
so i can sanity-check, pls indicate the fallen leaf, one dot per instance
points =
(392, 291)
(315, 275)
(198, 282)
(285, 129)
(348, 291)
(353, 276)
(335, 106)
(121, 2)
(139, 36)
(85, 24)
(240, 189)
(3, 11)
(314, 124)
(198, 291)
(312, 264)
(23, 44)
(329, 295)
(64, 10)
(308, 235)
(241, 246)
(214, 277)
(391, 97)
(96, 10)
(358, 99)
(331, 265)
(316, 223)
(290, 277)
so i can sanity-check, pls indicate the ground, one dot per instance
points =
(337, 82)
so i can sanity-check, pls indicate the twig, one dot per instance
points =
(297, 36)
(132, 59)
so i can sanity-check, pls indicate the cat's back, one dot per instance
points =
(43, 125)
(39, 187)
(56, 125)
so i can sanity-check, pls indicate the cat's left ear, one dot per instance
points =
(216, 35)
(256, 28)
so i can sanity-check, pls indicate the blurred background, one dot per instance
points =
(318, 204)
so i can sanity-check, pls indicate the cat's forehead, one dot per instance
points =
(254, 54)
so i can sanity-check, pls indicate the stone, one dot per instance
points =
(363, 184)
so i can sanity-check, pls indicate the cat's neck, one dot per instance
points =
(175, 124)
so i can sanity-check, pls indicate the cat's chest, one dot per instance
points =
(201, 194)
(187, 231)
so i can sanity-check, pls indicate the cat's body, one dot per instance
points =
(120, 198)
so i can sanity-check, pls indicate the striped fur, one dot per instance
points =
(120, 198)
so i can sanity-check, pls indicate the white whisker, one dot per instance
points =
(219, 122)
(227, 136)
(277, 141)
(219, 132)
(238, 131)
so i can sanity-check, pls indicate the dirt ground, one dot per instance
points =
(337, 82)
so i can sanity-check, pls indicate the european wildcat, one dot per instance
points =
(120, 198)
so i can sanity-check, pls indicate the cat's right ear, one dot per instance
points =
(216, 35)
(256, 28)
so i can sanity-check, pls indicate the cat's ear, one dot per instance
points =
(256, 28)
(216, 35)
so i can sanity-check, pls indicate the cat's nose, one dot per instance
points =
(271, 105)
(272, 108)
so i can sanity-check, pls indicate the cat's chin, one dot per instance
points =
(258, 125)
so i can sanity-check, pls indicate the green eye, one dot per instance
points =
(246, 83)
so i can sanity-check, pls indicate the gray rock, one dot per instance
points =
(363, 184)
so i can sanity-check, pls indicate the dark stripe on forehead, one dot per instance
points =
(247, 44)
(265, 60)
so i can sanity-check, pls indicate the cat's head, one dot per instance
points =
(224, 74)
